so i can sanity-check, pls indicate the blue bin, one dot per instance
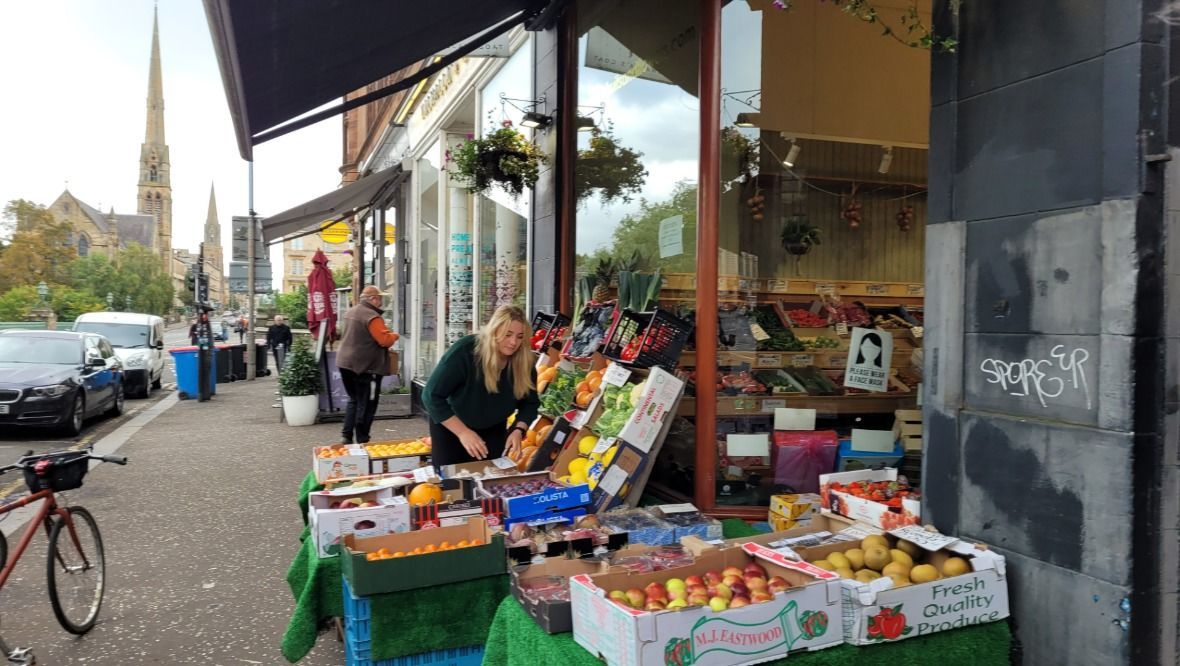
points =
(848, 460)
(357, 641)
(187, 385)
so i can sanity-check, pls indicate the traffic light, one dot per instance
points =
(202, 288)
(190, 280)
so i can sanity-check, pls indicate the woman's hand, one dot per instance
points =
(512, 444)
(474, 444)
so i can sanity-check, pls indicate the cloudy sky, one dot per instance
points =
(75, 81)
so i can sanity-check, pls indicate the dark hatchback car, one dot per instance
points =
(57, 379)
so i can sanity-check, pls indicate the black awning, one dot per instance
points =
(334, 205)
(280, 59)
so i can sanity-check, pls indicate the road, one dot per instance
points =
(14, 441)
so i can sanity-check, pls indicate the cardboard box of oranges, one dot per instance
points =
(397, 456)
(423, 558)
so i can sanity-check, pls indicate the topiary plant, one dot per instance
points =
(301, 375)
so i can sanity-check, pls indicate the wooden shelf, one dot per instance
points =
(808, 287)
(828, 359)
(825, 406)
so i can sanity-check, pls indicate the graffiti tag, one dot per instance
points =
(1045, 379)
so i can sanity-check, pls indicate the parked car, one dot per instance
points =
(138, 340)
(58, 379)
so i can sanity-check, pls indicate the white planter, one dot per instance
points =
(301, 410)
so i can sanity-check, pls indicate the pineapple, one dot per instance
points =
(602, 275)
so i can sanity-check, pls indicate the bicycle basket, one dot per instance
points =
(62, 473)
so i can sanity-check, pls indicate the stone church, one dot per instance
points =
(151, 224)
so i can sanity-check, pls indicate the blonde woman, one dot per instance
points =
(479, 382)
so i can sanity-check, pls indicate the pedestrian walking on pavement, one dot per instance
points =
(192, 333)
(363, 359)
(242, 328)
(479, 382)
(278, 338)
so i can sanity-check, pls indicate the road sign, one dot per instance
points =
(238, 286)
(335, 232)
(262, 270)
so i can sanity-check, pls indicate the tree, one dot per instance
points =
(137, 273)
(17, 302)
(642, 231)
(233, 302)
(342, 276)
(39, 249)
(68, 303)
(293, 306)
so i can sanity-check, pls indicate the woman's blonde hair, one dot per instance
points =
(487, 357)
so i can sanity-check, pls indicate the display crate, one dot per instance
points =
(552, 325)
(658, 337)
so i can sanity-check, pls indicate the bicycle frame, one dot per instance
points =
(48, 508)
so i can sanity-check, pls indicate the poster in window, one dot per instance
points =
(869, 355)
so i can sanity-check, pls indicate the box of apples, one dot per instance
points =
(365, 510)
(733, 605)
(423, 558)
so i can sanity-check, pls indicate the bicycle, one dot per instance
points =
(73, 561)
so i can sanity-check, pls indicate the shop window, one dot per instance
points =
(426, 287)
(503, 260)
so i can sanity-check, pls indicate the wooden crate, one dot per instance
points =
(907, 428)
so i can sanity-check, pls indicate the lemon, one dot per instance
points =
(587, 444)
(578, 477)
(610, 454)
(579, 466)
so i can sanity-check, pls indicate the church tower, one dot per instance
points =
(214, 259)
(155, 188)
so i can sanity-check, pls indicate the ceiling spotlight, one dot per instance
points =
(792, 154)
(747, 120)
(586, 124)
(534, 120)
(886, 160)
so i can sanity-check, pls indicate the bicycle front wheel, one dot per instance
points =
(77, 571)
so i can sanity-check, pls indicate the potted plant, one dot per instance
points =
(608, 167)
(799, 236)
(739, 156)
(299, 385)
(394, 403)
(501, 156)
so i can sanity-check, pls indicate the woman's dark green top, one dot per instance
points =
(456, 388)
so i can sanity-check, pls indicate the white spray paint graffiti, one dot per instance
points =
(1038, 377)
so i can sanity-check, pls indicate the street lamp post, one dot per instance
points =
(43, 291)
(127, 301)
(110, 301)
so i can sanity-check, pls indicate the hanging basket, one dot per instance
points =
(797, 249)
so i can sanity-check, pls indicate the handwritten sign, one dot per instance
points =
(778, 285)
(802, 360)
(841, 328)
(504, 463)
(767, 361)
(920, 536)
(914, 290)
(870, 354)
(616, 375)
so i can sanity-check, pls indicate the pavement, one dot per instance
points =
(199, 530)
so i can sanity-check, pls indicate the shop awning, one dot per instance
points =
(334, 205)
(280, 59)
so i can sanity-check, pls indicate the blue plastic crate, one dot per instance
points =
(848, 460)
(358, 641)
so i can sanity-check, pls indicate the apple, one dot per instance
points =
(654, 605)
(689, 581)
(777, 584)
(334, 505)
(673, 595)
(700, 599)
(656, 592)
(739, 600)
(718, 604)
(761, 597)
(720, 590)
(675, 584)
(712, 577)
(731, 571)
(754, 569)
(351, 502)
(367, 505)
(730, 580)
(676, 603)
(636, 597)
(739, 588)
(756, 584)
(697, 589)
(618, 595)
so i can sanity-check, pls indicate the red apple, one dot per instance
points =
(756, 584)
(689, 581)
(654, 605)
(368, 505)
(739, 600)
(636, 598)
(619, 596)
(700, 599)
(656, 592)
(673, 595)
(731, 571)
(697, 589)
(761, 597)
(731, 580)
(334, 505)
(754, 569)
(712, 577)
(777, 584)
(739, 588)
(676, 603)
(720, 590)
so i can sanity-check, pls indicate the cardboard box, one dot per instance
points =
(457, 512)
(821, 528)
(535, 504)
(552, 612)
(395, 464)
(804, 617)
(427, 570)
(868, 511)
(555, 517)
(329, 526)
(878, 613)
(795, 506)
(356, 463)
(661, 390)
(550, 447)
(687, 521)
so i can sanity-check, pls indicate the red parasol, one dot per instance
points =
(321, 288)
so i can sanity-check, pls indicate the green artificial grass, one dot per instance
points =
(516, 640)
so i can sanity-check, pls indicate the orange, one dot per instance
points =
(383, 551)
(476, 542)
(372, 556)
(544, 431)
(582, 387)
(430, 548)
(399, 554)
(417, 551)
(463, 544)
(425, 493)
(595, 382)
(445, 545)
(583, 399)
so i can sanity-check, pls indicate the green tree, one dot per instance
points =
(68, 303)
(17, 302)
(293, 306)
(342, 276)
(40, 248)
(642, 230)
(137, 273)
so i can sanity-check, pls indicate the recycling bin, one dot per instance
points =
(187, 378)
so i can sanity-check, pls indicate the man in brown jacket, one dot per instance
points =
(363, 359)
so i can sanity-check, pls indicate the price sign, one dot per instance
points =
(825, 289)
(767, 361)
(928, 540)
(769, 405)
(777, 285)
(759, 333)
(604, 444)
(876, 289)
(504, 463)
(918, 331)
(744, 404)
(841, 328)
(914, 290)
(616, 375)
(802, 360)
(424, 474)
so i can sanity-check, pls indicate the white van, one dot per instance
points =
(138, 340)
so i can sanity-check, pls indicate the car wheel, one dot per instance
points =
(73, 424)
(144, 392)
(120, 399)
(158, 381)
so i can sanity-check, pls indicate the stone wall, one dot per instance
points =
(1043, 400)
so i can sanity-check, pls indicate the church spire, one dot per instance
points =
(155, 97)
(212, 226)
